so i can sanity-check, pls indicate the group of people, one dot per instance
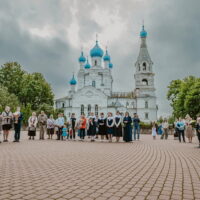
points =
(183, 128)
(93, 126)
(105, 127)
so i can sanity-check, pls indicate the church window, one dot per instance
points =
(89, 109)
(63, 105)
(96, 109)
(138, 67)
(144, 66)
(95, 62)
(133, 104)
(146, 104)
(82, 109)
(146, 115)
(144, 82)
(93, 83)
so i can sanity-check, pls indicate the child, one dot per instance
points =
(64, 132)
(154, 130)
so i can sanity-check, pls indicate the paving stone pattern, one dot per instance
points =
(58, 170)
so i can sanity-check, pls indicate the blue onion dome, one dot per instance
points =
(106, 56)
(87, 65)
(96, 51)
(73, 81)
(143, 33)
(82, 58)
(110, 65)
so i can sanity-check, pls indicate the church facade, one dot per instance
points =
(93, 89)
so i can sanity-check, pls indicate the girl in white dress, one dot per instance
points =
(154, 130)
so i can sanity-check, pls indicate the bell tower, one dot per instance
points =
(144, 76)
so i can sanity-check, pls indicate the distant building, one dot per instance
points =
(92, 92)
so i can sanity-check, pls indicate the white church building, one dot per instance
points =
(93, 89)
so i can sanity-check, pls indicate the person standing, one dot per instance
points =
(189, 132)
(42, 120)
(73, 125)
(7, 118)
(60, 121)
(127, 128)
(154, 130)
(136, 126)
(165, 127)
(110, 126)
(17, 117)
(92, 126)
(50, 126)
(181, 129)
(198, 129)
(82, 127)
(32, 125)
(118, 126)
(0, 126)
(102, 126)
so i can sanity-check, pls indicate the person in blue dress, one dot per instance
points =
(110, 126)
(127, 128)
(64, 132)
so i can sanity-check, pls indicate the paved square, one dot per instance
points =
(76, 170)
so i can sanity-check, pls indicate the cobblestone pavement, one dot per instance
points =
(76, 170)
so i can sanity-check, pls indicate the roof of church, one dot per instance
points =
(143, 33)
(122, 95)
(82, 57)
(96, 51)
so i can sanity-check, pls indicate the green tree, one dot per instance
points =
(36, 91)
(184, 96)
(7, 99)
(11, 76)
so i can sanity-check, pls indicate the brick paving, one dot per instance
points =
(58, 170)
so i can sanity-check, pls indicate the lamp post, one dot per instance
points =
(137, 91)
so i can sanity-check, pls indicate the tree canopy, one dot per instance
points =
(184, 96)
(7, 99)
(29, 88)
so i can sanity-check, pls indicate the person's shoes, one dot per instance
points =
(15, 141)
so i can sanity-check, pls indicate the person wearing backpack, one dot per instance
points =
(181, 129)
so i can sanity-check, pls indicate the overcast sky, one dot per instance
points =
(47, 35)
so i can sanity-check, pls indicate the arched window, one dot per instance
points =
(93, 84)
(146, 115)
(63, 105)
(95, 62)
(144, 66)
(96, 110)
(82, 109)
(146, 104)
(138, 67)
(144, 82)
(89, 109)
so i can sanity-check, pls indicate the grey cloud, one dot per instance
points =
(173, 32)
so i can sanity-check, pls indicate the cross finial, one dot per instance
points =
(143, 23)
(96, 37)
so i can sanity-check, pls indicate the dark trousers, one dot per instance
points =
(82, 133)
(59, 133)
(17, 128)
(198, 135)
(73, 134)
(181, 133)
